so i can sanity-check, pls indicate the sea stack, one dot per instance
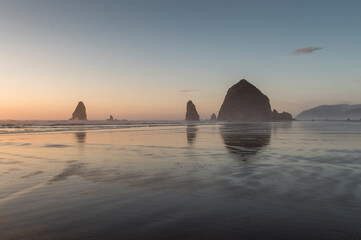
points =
(245, 102)
(284, 116)
(191, 114)
(213, 117)
(79, 113)
(110, 118)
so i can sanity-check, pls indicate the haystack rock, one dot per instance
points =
(213, 117)
(191, 114)
(79, 113)
(245, 102)
(110, 118)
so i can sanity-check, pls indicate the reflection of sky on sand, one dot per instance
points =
(299, 181)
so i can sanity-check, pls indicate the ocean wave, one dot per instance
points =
(37, 126)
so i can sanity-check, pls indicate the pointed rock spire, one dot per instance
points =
(191, 114)
(80, 112)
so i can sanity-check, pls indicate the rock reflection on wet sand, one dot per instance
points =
(81, 137)
(294, 181)
(245, 139)
(191, 133)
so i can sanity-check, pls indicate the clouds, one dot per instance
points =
(188, 90)
(306, 50)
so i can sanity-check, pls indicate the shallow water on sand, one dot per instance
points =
(292, 180)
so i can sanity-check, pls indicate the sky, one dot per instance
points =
(142, 60)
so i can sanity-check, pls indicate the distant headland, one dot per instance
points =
(332, 112)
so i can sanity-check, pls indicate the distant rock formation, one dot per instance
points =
(245, 102)
(79, 113)
(110, 118)
(213, 117)
(332, 112)
(284, 116)
(191, 114)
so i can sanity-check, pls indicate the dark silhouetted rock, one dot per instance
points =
(191, 114)
(244, 102)
(110, 118)
(284, 116)
(213, 117)
(79, 113)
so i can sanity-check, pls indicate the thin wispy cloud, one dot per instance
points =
(306, 50)
(188, 90)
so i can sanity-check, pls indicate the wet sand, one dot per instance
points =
(292, 180)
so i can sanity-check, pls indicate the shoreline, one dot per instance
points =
(47, 127)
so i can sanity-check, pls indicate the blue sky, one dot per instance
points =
(146, 59)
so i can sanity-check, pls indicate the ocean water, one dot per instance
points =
(169, 180)
(37, 126)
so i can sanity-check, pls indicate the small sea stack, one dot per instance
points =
(110, 118)
(284, 116)
(191, 114)
(213, 117)
(79, 112)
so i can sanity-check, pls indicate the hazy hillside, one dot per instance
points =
(330, 112)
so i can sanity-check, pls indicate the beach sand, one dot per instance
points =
(291, 180)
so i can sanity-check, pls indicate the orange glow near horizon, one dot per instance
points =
(144, 62)
(43, 89)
